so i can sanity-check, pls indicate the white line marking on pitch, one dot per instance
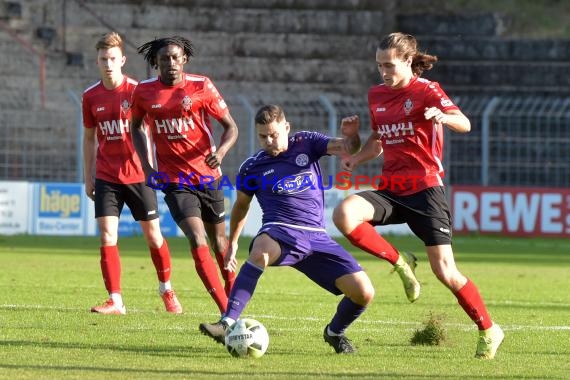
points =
(460, 326)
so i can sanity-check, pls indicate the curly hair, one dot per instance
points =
(151, 48)
(406, 46)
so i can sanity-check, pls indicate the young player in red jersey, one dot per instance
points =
(119, 177)
(178, 106)
(407, 116)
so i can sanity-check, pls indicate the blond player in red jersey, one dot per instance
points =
(119, 177)
(178, 106)
(407, 115)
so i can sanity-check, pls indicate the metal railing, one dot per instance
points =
(514, 141)
(33, 51)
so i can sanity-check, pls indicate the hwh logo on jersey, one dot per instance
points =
(114, 127)
(171, 126)
(395, 130)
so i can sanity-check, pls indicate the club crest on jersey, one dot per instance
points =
(125, 106)
(302, 159)
(408, 105)
(187, 103)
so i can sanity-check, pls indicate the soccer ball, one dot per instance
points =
(247, 337)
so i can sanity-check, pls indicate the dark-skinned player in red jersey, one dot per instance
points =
(178, 107)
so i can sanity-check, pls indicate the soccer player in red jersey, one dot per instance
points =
(119, 177)
(408, 114)
(178, 106)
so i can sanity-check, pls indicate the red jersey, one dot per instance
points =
(179, 121)
(110, 112)
(413, 146)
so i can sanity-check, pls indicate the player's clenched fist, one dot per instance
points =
(350, 125)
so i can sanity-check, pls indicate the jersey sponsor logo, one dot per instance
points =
(295, 184)
(390, 131)
(380, 109)
(408, 105)
(100, 109)
(176, 128)
(114, 129)
(393, 141)
(154, 106)
(270, 171)
(302, 160)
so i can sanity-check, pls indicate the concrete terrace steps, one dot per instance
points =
(449, 25)
(268, 4)
(494, 74)
(285, 70)
(232, 20)
(483, 48)
(292, 90)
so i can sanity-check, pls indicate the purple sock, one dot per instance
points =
(243, 289)
(346, 313)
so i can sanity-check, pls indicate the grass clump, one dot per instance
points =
(432, 333)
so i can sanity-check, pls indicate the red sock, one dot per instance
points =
(209, 274)
(365, 237)
(161, 260)
(111, 268)
(229, 277)
(470, 300)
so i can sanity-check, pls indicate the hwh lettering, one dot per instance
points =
(114, 127)
(179, 125)
(395, 130)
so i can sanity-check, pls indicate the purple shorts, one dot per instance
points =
(313, 253)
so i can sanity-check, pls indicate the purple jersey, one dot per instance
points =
(288, 187)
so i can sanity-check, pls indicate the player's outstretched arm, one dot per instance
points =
(237, 222)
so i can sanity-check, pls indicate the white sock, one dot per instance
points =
(229, 321)
(164, 286)
(117, 299)
(330, 333)
(401, 262)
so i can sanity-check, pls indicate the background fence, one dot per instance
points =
(514, 141)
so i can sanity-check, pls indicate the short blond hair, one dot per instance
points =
(110, 40)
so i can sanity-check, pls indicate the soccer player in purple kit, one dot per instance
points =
(285, 176)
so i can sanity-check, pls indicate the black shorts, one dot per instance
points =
(186, 201)
(111, 197)
(426, 213)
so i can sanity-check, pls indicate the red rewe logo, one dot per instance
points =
(511, 211)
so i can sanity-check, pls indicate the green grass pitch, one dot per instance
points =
(48, 284)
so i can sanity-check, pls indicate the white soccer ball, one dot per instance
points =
(247, 337)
